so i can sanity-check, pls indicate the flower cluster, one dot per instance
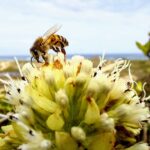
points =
(70, 105)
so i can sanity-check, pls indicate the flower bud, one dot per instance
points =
(76, 59)
(78, 133)
(81, 79)
(93, 87)
(68, 71)
(45, 144)
(106, 123)
(49, 76)
(87, 67)
(61, 98)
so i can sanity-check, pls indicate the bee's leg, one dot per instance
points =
(45, 58)
(64, 52)
(55, 49)
(37, 59)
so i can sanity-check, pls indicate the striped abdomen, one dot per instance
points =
(58, 41)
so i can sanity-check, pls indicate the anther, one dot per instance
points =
(31, 132)
(13, 117)
(129, 84)
(133, 95)
(19, 90)
(8, 93)
(23, 78)
(100, 67)
(20, 101)
(95, 73)
(127, 90)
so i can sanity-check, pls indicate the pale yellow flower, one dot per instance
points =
(70, 105)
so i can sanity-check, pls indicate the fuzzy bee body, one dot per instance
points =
(50, 40)
(57, 42)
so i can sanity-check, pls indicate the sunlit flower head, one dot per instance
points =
(71, 105)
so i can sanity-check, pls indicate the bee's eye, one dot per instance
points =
(35, 52)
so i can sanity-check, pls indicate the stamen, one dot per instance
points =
(133, 95)
(4, 82)
(130, 75)
(99, 67)
(31, 132)
(3, 116)
(144, 92)
(127, 90)
(13, 117)
(120, 65)
(144, 89)
(147, 98)
(9, 77)
(21, 74)
(131, 78)
(101, 61)
(8, 93)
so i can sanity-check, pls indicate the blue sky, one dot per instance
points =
(91, 26)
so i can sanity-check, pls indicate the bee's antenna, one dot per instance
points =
(32, 61)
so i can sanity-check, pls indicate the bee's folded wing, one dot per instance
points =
(51, 31)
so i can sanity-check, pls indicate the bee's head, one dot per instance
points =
(34, 50)
(34, 53)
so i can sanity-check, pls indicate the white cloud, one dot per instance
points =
(90, 25)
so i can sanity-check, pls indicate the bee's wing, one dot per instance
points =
(51, 31)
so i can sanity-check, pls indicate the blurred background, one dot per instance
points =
(91, 26)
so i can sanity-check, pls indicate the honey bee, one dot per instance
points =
(49, 40)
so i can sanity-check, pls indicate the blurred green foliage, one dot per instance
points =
(145, 48)
(4, 107)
